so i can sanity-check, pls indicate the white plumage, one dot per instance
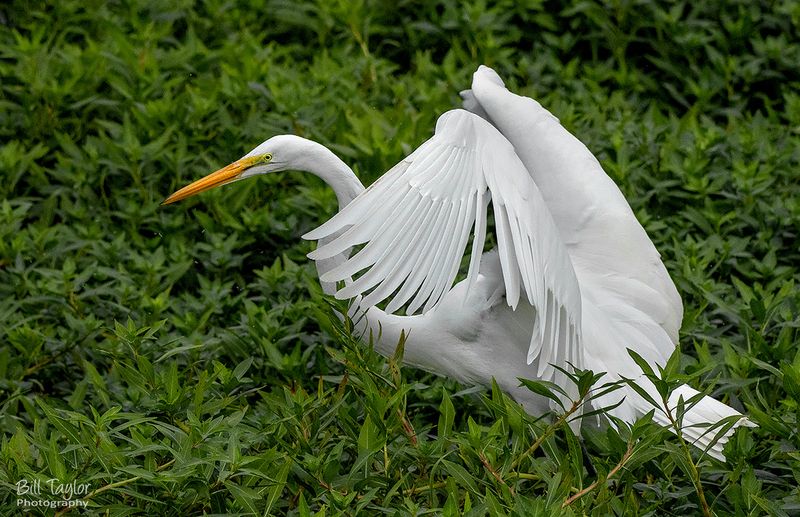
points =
(574, 281)
(416, 222)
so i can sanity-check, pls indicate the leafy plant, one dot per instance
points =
(183, 359)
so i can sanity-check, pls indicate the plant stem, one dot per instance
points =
(547, 432)
(114, 485)
(611, 473)
(418, 489)
(493, 472)
(694, 473)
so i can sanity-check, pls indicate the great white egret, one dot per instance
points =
(574, 282)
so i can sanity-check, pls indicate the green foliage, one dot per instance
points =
(182, 360)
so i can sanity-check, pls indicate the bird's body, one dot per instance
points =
(477, 336)
(574, 282)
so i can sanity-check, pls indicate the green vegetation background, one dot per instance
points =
(182, 360)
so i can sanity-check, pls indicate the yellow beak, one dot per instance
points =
(215, 179)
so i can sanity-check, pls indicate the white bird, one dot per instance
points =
(573, 283)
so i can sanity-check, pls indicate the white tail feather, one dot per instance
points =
(698, 424)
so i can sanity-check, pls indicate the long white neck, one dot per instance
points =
(320, 161)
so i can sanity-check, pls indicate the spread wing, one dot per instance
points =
(416, 220)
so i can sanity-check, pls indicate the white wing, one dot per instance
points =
(416, 220)
(610, 251)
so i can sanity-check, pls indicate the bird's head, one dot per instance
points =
(276, 154)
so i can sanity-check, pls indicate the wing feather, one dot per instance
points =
(428, 284)
(386, 266)
(403, 266)
(421, 261)
(416, 221)
(386, 241)
(508, 259)
(481, 204)
(360, 209)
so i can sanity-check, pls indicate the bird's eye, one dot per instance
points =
(266, 158)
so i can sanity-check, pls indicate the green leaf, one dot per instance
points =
(67, 428)
(242, 367)
(172, 384)
(178, 350)
(447, 414)
(275, 490)
(370, 438)
(461, 475)
(642, 364)
(544, 389)
(245, 497)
